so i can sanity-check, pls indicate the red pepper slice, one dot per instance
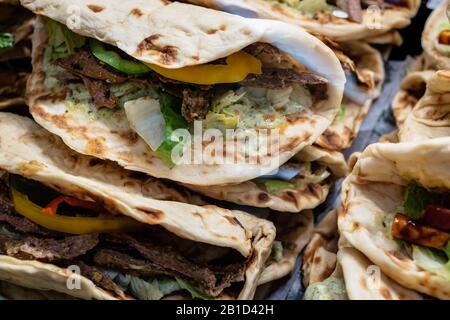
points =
(52, 207)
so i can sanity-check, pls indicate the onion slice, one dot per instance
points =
(147, 120)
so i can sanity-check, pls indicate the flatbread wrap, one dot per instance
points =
(364, 70)
(422, 106)
(338, 20)
(394, 206)
(334, 270)
(356, 278)
(71, 219)
(435, 38)
(301, 183)
(226, 73)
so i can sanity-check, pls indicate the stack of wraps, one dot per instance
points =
(179, 150)
(393, 221)
(332, 268)
(364, 72)
(103, 192)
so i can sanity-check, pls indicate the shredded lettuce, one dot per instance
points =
(275, 185)
(444, 26)
(291, 3)
(6, 41)
(131, 90)
(221, 116)
(195, 292)
(62, 40)
(250, 107)
(329, 289)
(317, 177)
(433, 260)
(150, 289)
(387, 221)
(446, 250)
(170, 106)
(153, 289)
(341, 113)
(300, 99)
(220, 121)
(311, 7)
(277, 251)
(225, 100)
(4, 231)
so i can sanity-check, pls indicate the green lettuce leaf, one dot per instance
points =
(6, 41)
(433, 260)
(62, 40)
(4, 231)
(329, 289)
(131, 91)
(318, 176)
(275, 185)
(341, 113)
(416, 199)
(170, 108)
(154, 289)
(157, 288)
(446, 250)
(444, 26)
(195, 292)
(221, 121)
(277, 251)
(311, 7)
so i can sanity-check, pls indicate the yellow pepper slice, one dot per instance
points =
(238, 66)
(72, 225)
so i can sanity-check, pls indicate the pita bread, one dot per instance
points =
(365, 281)
(389, 38)
(430, 116)
(391, 137)
(359, 278)
(305, 196)
(30, 151)
(436, 54)
(294, 232)
(336, 28)
(375, 188)
(112, 140)
(369, 65)
(411, 90)
(338, 136)
(319, 260)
